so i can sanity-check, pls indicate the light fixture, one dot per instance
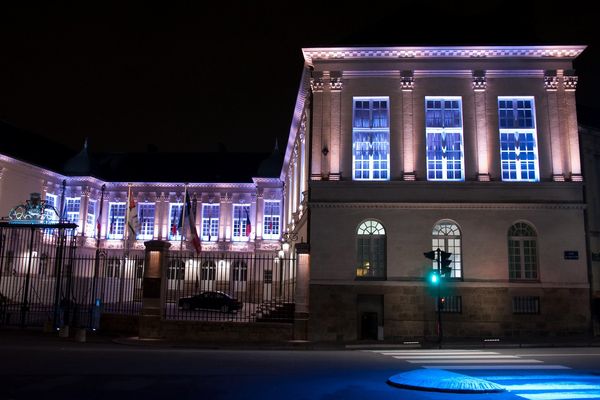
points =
(285, 246)
(281, 254)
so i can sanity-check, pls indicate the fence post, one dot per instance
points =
(153, 288)
(301, 291)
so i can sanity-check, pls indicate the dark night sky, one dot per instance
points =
(185, 77)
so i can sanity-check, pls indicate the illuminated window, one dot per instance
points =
(90, 219)
(210, 222)
(444, 134)
(116, 220)
(175, 221)
(371, 250)
(446, 237)
(518, 139)
(271, 219)
(241, 222)
(239, 271)
(72, 209)
(522, 252)
(146, 220)
(371, 139)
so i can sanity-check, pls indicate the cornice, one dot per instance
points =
(453, 206)
(444, 52)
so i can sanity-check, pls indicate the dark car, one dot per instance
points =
(212, 301)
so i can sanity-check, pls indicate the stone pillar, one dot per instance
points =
(153, 294)
(407, 85)
(301, 293)
(2, 172)
(260, 209)
(316, 85)
(569, 85)
(551, 86)
(335, 87)
(225, 218)
(479, 87)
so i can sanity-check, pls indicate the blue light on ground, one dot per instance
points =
(438, 380)
(549, 386)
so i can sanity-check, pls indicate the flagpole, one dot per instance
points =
(183, 218)
(126, 222)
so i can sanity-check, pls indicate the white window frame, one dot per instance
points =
(90, 219)
(146, 231)
(523, 253)
(239, 223)
(271, 219)
(174, 217)
(518, 131)
(210, 222)
(116, 222)
(447, 237)
(72, 204)
(443, 131)
(371, 161)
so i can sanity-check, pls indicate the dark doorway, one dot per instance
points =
(368, 326)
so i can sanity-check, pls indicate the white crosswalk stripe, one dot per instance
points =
(524, 377)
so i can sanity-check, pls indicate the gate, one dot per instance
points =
(262, 283)
(43, 279)
(36, 271)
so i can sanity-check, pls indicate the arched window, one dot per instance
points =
(446, 237)
(522, 252)
(370, 250)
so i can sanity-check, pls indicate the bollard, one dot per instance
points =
(80, 335)
(64, 332)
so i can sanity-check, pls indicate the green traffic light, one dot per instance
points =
(433, 278)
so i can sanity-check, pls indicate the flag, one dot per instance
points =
(191, 218)
(248, 224)
(133, 222)
(98, 227)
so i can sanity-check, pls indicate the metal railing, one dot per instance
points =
(211, 287)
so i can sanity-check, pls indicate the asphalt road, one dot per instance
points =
(50, 368)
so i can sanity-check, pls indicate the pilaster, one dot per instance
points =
(479, 96)
(316, 85)
(335, 86)
(407, 85)
(551, 86)
(569, 87)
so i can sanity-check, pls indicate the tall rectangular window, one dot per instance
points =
(371, 138)
(444, 134)
(146, 220)
(272, 215)
(116, 220)
(210, 222)
(175, 221)
(72, 210)
(51, 200)
(90, 219)
(518, 139)
(241, 222)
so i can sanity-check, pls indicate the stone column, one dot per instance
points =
(301, 292)
(316, 85)
(335, 87)
(407, 85)
(569, 85)
(479, 87)
(551, 86)
(161, 218)
(153, 294)
(225, 218)
(260, 209)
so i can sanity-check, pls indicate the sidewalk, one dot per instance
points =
(36, 335)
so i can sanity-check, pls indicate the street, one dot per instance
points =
(59, 368)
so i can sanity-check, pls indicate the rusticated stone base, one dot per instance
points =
(409, 312)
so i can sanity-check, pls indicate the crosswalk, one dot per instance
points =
(525, 377)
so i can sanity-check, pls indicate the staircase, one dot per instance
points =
(275, 312)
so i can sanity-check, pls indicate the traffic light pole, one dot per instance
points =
(439, 298)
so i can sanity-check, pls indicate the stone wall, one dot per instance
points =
(409, 312)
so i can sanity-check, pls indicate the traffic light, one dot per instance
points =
(445, 262)
(430, 254)
(442, 303)
(433, 278)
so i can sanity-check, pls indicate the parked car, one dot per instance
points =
(212, 301)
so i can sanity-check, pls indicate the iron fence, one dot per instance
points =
(201, 287)
(44, 281)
